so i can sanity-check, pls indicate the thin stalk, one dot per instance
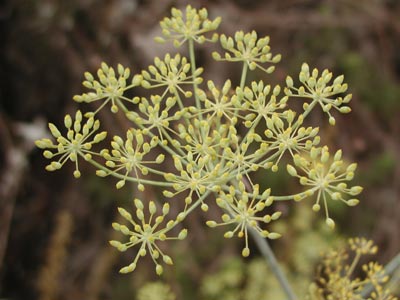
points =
(165, 147)
(193, 67)
(305, 113)
(269, 256)
(309, 109)
(128, 178)
(244, 75)
(355, 262)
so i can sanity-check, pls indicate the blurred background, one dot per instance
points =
(54, 229)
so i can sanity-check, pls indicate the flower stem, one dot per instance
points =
(165, 147)
(354, 263)
(193, 67)
(309, 108)
(244, 74)
(128, 178)
(266, 251)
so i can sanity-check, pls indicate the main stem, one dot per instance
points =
(266, 251)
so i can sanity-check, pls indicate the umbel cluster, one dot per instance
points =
(203, 144)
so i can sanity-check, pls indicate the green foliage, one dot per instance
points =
(155, 291)
(382, 96)
(224, 283)
(236, 280)
(382, 168)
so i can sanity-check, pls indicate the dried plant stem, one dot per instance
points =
(100, 270)
(48, 282)
(11, 177)
(266, 251)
